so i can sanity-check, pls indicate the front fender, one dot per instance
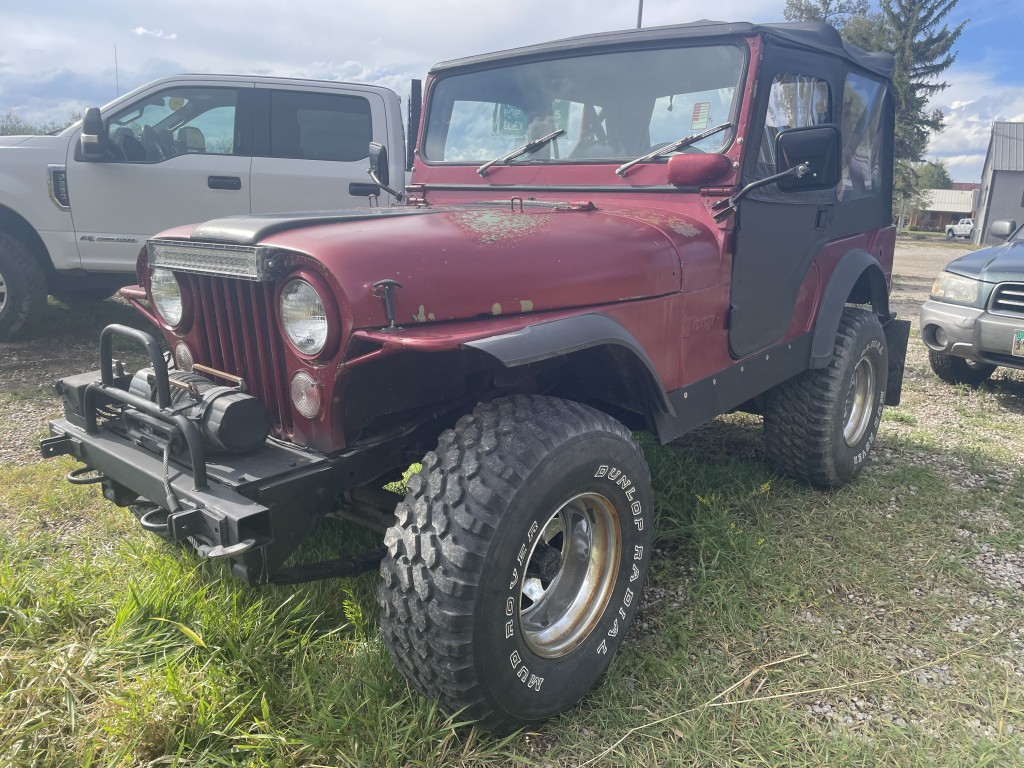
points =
(557, 338)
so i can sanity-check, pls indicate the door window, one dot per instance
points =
(178, 121)
(795, 101)
(319, 126)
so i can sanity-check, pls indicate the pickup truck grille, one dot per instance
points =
(236, 328)
(1009, 297)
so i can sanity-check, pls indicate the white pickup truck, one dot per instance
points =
(76, 207)
(962, 228)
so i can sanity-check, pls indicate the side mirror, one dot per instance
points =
(1002, 228)
(696, 170)
(379, 170)
(817, 146)
(379, 164)
(93, 139)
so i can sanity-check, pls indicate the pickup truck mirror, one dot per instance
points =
(379, 164)
(817, 146)
(1002, 228)
(93, 139)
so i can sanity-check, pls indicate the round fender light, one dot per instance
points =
(183, 357)
(305, 394)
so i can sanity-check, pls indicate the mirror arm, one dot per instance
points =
(399, 196)
(727, 207)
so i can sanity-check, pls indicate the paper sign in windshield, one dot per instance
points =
(509, 120)
(701, 116)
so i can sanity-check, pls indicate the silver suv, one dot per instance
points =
(974, 320)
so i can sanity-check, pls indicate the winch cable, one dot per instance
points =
(172, 500)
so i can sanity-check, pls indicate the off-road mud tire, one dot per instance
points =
(23, 286)
(956, 370)
(807, 417)
(454, 615)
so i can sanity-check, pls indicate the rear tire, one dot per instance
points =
(517, 560)
(22, 286)
(956, 370)
(820, 425)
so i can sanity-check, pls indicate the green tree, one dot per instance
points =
(834, 12)
(12, 125)
(933, 175)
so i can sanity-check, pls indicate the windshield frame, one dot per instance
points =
(741, 44)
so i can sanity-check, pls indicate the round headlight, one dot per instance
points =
(305, 395)
(303, 317)
(166, 295)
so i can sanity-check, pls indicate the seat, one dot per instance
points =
(191, 140)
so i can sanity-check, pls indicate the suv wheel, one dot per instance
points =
(956, 370)
(517, 560)
(22, 285)
(820, 425)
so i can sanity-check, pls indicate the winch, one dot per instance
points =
(228, 419)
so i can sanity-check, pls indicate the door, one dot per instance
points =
(177, 156)
(312, 149)
(778, 234)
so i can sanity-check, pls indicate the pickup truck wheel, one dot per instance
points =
(517, 560)
(956, 370)
(22, 286)
(950, 234)
(820, 426)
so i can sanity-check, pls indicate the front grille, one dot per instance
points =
(236, 330)
(1009, 297)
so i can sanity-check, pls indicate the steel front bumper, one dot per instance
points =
(971, 333)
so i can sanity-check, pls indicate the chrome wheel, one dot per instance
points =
(3, 292)
(859, 402)
(570, 575)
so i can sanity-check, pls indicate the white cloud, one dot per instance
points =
(158, 33)
(974, 100)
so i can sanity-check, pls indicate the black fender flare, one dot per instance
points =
(851, 268)
(557, 338)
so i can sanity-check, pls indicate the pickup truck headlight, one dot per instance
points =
(166, 295)
(956, 289)
(303, 317)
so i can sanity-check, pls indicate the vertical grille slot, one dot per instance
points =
(236, 331)
(1009, 297)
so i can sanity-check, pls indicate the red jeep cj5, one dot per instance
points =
(624, 231)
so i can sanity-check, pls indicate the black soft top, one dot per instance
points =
(813, 35)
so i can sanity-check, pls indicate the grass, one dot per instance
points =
(780, 626)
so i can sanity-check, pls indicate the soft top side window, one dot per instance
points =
(863, 99)
(795, 101)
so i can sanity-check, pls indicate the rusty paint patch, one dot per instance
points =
(500, 227)
(663, 219)
(496, 309)
(526, 305)
(421, 316)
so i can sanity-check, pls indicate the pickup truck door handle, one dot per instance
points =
(224, 182)
(363, 189)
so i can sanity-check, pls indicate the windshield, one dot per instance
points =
(611, 106)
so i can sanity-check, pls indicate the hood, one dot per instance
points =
(12, 141)
(992, 265)
(467, 261)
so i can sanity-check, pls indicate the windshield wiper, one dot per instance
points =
(673, 147)
(526, 149)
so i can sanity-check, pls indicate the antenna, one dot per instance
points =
(117, 80)
(639, 14)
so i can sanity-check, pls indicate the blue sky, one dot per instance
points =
(58, 57)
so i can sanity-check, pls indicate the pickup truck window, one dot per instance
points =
(612, 106)
(319, 126)
(174, 122)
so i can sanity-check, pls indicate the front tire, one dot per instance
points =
(22, 286)
(956, 370)
(517, 560)
(820, 425)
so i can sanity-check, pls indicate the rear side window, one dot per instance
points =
(863, 99)
(319, 126)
